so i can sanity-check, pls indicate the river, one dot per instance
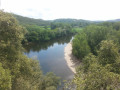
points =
(51, 56)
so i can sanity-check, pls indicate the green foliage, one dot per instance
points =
(87, 61)
(5, 79)
(54, 23)
(95, 34)
(40, 33)
(25, 20)
(97, 78)
(29, 75)
(116, 26)
(92, 76)
(80, 46)
(10, 36)
(50, 82)
(41, 30)
(100, 72)
(44, 45)
(17, 72)
(74, 22)
(37, 33)
(108, 53)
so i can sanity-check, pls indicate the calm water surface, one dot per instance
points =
(51, 56)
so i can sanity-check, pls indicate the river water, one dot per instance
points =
(51, 56)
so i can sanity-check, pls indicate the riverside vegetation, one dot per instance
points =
(41, 31)
(97, 45)
(17, 72)
(98, 48)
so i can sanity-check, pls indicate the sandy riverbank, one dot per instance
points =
(72, 62)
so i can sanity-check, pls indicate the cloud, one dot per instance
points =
(52, 9)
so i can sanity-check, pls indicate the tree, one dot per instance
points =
(11, 35)
(95, 34)
(17, 72)
(96, 76)
(80, 46)
(108, 52)
(100, 72)
(5, 78)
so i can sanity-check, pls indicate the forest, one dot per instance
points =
(40, 30)
(98, 49)
(95, 44)
(17, 71)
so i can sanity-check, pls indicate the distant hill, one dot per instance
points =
(31, 21)
(25, 20)
(73, 22)
(116, 20)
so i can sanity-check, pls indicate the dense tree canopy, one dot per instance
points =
(80, 46)
(40, 33)
(40, 30)
(100, 68)
(97, 46)
(17, 72)
(94, 34)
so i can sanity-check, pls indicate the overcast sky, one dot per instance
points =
(53, 9)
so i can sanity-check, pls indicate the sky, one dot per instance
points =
(55, 9)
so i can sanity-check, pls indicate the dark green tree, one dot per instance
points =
(17, 72)
(108, 53)
(80, 47)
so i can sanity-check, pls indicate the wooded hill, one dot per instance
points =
(40, 22)
(25, 20)
(74, 22)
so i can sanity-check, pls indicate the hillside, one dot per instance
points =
(25, 20)
(73, 22)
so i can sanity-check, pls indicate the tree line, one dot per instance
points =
(45, 33)
(17, 72)
(98, 48)
(37, 33)
(38, 30)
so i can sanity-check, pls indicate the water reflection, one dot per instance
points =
(45, 45)
(51, 56)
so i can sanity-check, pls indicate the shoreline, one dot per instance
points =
(71, 60)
